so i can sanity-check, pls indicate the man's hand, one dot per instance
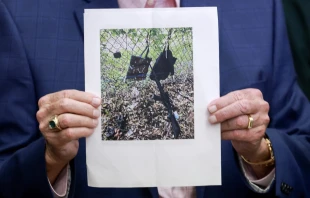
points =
(78, 116)
(233, 111)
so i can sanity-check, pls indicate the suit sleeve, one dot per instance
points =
(289, 128)
(22, 159)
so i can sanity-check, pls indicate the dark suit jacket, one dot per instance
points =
(41, 51)
(297, 14)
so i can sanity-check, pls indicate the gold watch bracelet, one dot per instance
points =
(268, 162)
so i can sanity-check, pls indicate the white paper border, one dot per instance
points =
(152, 163)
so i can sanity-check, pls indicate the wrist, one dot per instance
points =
(262, 161)
(53, 166)
(261, 154)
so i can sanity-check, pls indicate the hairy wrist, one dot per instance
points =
(262, 154)
(53, 166)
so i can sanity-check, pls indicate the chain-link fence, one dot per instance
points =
(134, 108)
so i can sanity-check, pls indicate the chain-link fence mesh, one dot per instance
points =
(134, 109)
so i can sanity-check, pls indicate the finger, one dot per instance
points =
(233, 97)
(70, 134)
(68, 120)
(66, 105)
(242, 107)
(242, 122)
(81, 96)
(67, 135)
(245, 135)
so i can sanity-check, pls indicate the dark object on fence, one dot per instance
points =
(164, 65)
(117, 55)
(139, 66)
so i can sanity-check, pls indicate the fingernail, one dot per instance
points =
(212, 109)
(96, 113)
(95, 122)
(96, 101)
(212, 119)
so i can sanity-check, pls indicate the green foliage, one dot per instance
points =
(132, 42)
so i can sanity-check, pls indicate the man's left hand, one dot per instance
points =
(233, 111)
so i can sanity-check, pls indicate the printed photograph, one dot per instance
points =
(147, 84)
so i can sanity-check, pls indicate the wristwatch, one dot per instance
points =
(268, 162)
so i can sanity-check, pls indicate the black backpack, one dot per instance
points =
(164, 65)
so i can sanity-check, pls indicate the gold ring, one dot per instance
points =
(54, 123)
(250, 123)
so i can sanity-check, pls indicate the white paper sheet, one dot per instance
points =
(149, 163)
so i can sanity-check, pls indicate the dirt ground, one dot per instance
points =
(139, 113)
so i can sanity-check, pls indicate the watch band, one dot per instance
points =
(269, 162)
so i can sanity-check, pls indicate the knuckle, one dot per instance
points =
(64, 121)
(266, 106)
(42, 101)
(244, 106)
(266, 120)
(257, 93)
(64, 103)
(46, 109)
(65, 93)
(238, 95)
(240, 123)
(236, 134)
(40, 115)
(68, 93)
(69, 134)
(41, 127)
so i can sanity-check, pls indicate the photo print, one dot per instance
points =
(147, 84)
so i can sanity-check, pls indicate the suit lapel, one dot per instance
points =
(90, 4)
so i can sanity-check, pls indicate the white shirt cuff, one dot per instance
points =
(60, 187)
(259, 185)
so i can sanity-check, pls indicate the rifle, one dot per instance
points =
(163, 67)
(166, 101)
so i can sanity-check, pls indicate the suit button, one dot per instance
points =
(285, 188)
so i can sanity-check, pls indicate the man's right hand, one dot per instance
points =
(78, 114)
